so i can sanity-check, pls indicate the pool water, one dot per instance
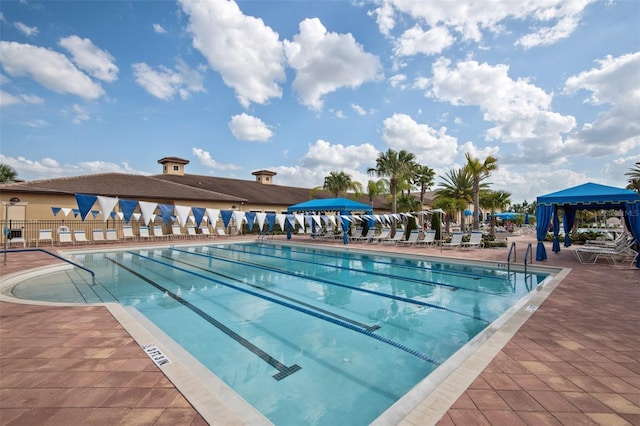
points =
(306, 335)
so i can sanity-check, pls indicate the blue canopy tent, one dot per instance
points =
(588, 196)
(507, 215)
(344, 206)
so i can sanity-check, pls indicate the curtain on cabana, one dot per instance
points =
(567, 222)
(543, 218)
(632, 220)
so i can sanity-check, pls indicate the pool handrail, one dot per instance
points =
(528, 255)
(93, 274)
(512, 249)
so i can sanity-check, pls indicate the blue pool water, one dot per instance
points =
(306, 335)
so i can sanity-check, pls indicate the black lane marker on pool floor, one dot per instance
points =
(344, 324)
(282, 296)
(283, 370)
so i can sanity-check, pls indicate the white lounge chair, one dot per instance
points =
(475, 241)
(80, 237)
(97, 235)
(621, 253)
(144, 233)
(191, 231)
(158, 232)
(204, 231)
(112, 235)
(127, 233)
(428, 238)
(65, 237)
(44, 235)
(414, 236)
(19, 241)
(176, 231)
(397, 238)
(384, 234)
(456, 241)
(359, 236)
(220, 232)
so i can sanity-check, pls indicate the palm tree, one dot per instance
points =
(338, 182)
(494, 200)
(479, 171)
(424, 176)
(634, 178)
(457, 184)
(397, 166)
(450, 206)
(7, 173)
(377, 187)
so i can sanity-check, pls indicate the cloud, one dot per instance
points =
(7, 99)
(49, 168)
(549, 21)
(613, 83)
(158, 29)
(325, 62)
(88, 57)
(358, 109)
(520, 111)
(28, 31)
(247, 53)
(248, 128)
(165, 83)
(49, 68)
(416, 40)
(204, 158)
(431, 146)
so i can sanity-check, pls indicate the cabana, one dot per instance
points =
(344, 206)
(589, 196)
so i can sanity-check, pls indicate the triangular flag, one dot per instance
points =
(66, 211)
(226, 217)
(260, 217)
(95, 213)
(198, 214)
(300, 219)
(55, 210)
(147, 209)
(213, 215)
(107, 204)
(238, 217)
(127, 207)
(183, 214)
(250, 217)
(281, 218)
(271, 220)
(85, 202)
(136, 216)
(166, 212)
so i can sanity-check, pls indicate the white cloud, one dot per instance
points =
(157, 28)
(325, 62)
(520, 111)
(7, 99)
(248, 128)
(432, 147)
(36, 123)
(615, 83)
(80, 115)
(88, 57)
(26, 30)
(398, 81)
(204, 157)
(48, 168)
(358, 109)
(32, 99)
(50, 69)
(165, 83)
(416, 40)
(247, 53)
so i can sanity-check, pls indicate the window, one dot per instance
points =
(266, 178)
(176, 168)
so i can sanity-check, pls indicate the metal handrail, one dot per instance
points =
(512, 249)
(93, 274)
(529, 254)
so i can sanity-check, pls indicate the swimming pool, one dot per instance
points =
(305, 334)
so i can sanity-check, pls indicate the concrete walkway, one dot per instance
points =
(575, 361)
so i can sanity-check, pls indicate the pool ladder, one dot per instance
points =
(528, 256)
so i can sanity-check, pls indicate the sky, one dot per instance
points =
(303, 88)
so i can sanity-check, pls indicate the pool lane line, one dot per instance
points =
(283, 370)
(346, 325)
(363, 271)
(325, 281)
(473, 275)
(282, 296)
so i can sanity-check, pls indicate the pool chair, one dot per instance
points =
(97, 235)
(44, 235)
(80, 237)
(220, 232)
(398, 237)
(176, 231)
(414, 236)
(144, 233)
(65, 237)
(127, 233)
(456, 241)
(15, 237)
(620, 254)
(474, 242)
(205, 232)
(428, 238)
(158, 232)
(191, 232)
(384, 234)
(112, 235)
(359, 236)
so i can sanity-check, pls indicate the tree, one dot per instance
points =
(7, 173)
(338, 182)
(634, 178)
(397, 166)
(494, 200)
(479, 171)
(450, 206)
(377, 187)
(423, 178)
(457, 184)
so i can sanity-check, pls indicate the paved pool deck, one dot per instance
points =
(574, 360)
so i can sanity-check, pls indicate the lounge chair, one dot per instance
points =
(456, 241)
(97, 235)
(220, 232)
(127, 233)
(176, 231)
(475, 241)
(112, 235)
(80, 237)
(191, 231)
(414, 236)
(144, 233)
(384, 234)
(398, 237)
(359, 236)
(620, 254)
(17, 240)
(428, 238)
(204, 231)
(44, 235)
(65, 237)
(158, 232)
